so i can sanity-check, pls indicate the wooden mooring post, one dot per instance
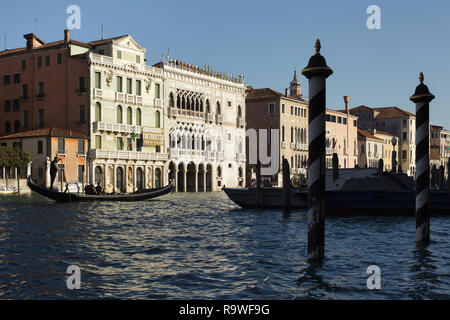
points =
(316, 72)
(286, 186)
(258, 184)
(335, 167)
(441, 177)
(422, 98)
(380, 166)
(434, 176)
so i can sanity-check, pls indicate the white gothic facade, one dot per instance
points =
(205, 123)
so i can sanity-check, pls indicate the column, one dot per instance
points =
(196, 178)
(422, 98)
(317, 71)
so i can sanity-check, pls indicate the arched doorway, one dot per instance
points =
(139, 179)
(201, 177)
(158, 178)
(190, 177)
(119, 179)
(98, 175)
(180, 178)
(209, 181)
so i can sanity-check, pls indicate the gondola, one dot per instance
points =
(75, 197)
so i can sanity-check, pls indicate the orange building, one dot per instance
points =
(46, 143)
(43, 85)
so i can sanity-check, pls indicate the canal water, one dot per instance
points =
(202, 246)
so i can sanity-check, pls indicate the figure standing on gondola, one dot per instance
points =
(53, 170)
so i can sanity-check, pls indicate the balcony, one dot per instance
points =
(293, 146)
(98, 94)
(330, 151)
(130, 99)
(241, 122)
(116, 128)
(40, 96)
(283, 145)
(158, 103)
(139, 100)
(173, 112)
(219, 118)
(302, 147)
(120, 97)
(127, 155)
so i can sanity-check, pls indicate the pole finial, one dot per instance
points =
(317, 46)
(421, 77)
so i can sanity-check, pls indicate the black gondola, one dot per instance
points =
(75, 197)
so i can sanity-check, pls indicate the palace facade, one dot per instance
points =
(205, 121)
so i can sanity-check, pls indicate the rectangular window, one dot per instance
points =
(98, 78)
(138, 87)
(40, 89)
(60, 168)
(81, 114)
(404, 155)
(16, 105)
(355, 123)
(47, 60)
(339, 119)
(59, 58)
(157, 91)
(130, 144)
(344, 120)
(119, 84)
(129, 86)
(25, 120)
(7, 105)
(333, 119)
(61, 145)
(6, 80)
(98, 142)
(40, 118)
(119, 143)
(283, 108)
(16, 78)
(40, 147)
(327, 118)
(24, 64)
(138, 59)
(24, 91)
(81, 149)
(39, 62)
(271, 108)
(405, 135)
(119, 54)
(292, 110)
(80, 173)
(81, 84)
(404, 123)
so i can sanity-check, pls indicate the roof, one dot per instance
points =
(341, 112)
(384, 133)
(103, 41)
(44, 46)
(45, 132)
(268, 93)
(368, 135)
(385, 112)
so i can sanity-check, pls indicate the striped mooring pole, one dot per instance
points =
(316, 72)
(422, 98)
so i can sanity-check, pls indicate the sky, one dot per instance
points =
(266, 40)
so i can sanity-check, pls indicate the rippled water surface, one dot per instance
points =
(202, 246)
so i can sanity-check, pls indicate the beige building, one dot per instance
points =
(396, 121)
(288, 113)
(439, 147)
(341, 138)
(375, 145)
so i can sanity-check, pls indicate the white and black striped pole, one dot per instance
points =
(422, 98)
(317, 71)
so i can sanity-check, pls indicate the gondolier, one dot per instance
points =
(53, 170)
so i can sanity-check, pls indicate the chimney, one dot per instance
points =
(33, 41)
(346, 100)
(286, 92)
(66, 35)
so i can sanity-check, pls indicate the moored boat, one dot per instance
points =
(75, 197)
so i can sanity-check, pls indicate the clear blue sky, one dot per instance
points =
(266, 40)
